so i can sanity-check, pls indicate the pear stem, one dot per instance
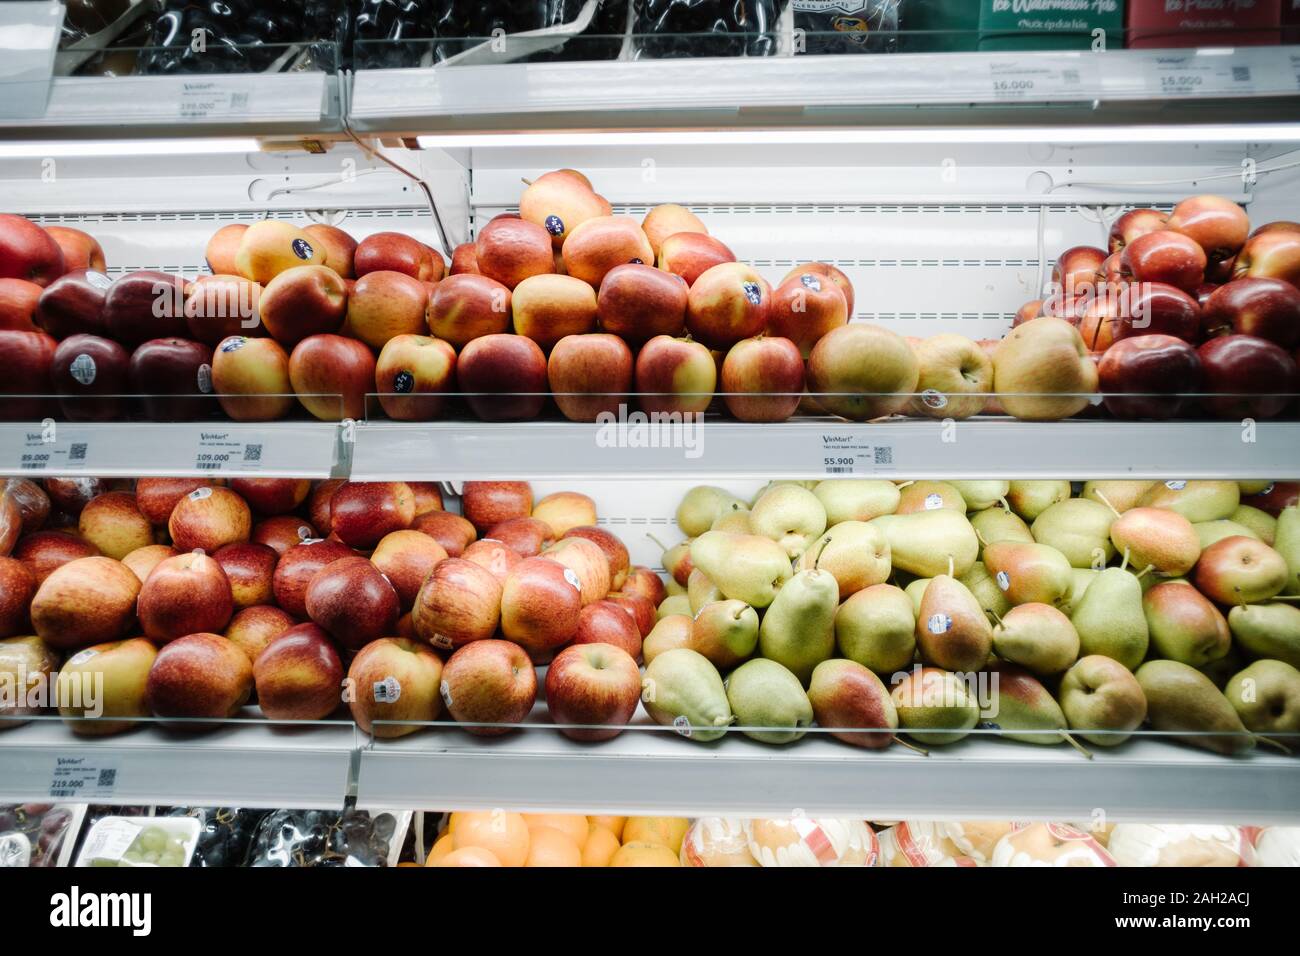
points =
(526, 182)
(1274, 743)
(1143, 572)
(1285, 597)
(1077, 746)
(1006, 506)
(983, 543)
(996, 616)
(903, 743)
(951, 567)
(821, 551)
(662, 546)
(1106, 502)
(905, 484)
(1124, 564)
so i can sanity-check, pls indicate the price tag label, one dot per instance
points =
(847, 453)
(77, 778)
(201, 99)
(222, 451)
(1035, 80)
(1195, 75)
(52, 448)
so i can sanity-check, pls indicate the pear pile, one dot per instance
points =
(1047, 611)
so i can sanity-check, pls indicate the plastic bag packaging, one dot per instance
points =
(1050, 844)
(38, 834)
(846, 26)
(309, 838)
(1152, 844)
(1278, 846)
(717, 841)
(923, 843)
(85, 18)
(225, 833)
(240, 36)
(812, 841)
(689, 28)
(601, 40)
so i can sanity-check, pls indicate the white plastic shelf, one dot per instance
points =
(148, 449)
(761, 91)
(979, 448)
(656, 773)
(249, 764)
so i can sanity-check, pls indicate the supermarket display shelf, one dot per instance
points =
(656, 773)
(745, 92)
(910, 448)
(148, 449)
(246, 764)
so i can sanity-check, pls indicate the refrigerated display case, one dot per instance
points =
(945, 176)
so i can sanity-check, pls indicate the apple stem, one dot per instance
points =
(1077, 746)
(903, 743)
(1274, 743)
(1106, 502)
(526, 182)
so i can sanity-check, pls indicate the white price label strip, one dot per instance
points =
(51, 449)
(202, 99)
(77, 778)
(1195, 75)
(221, 451)
(1035, 80)
(846, 453)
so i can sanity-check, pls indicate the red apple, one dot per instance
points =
(362, 512)
(407, 558)
(1078, 269)
(340, 249)
(25, 362)
(18, 302)
(645, 582)
(28, 252)
(272, 496)
(837, 277)
(222, 247)
(428, 496)
(563, 510)
(209, 518)
(762, 379)
(540, 604)
(73, 304)
(71, 495)
(11, 524)
(458, 603)
(199, 675)
(691, 254)
(493, 556)
(296, 568)
(250, 569)
(464, 307)
(219, 306)
(332, 375)
(675, 376)
(1136, 375)
(592, 684)
(599, 245)
(727, 303)
(142, 561)
(395, 252)
(298, 675)
(489, 682)
(302, 302)
(1250, 377)
(488, 503)
(318, 505)
(394, 679)
(17, 587)
(503, 377)
(85, 371)
(45, 551)
(251, 378)
(156, 497)
(1135, 224)
(413, 375)
(1154, 308)
(1271, 255)
(383, 305)
(175, 378)
(145, 305)
(525, 536)
(804, 308)
(464, 259)
(639, 608)
(1266, 308)
(112, 522)
(282, 532)
(587, 561)
(33, 502)
(253, 628)
(187, 594)
(352, 600)
(1219, 226)
(1166, 256)
(638, 302)
(590, 375)
(80, 249)
(615, 552)
(1276, 497)
(84, 602)
(451, 531)
(607, 622)
(511, 250)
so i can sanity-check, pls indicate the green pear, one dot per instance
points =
(790, 515)
(1211, 532)
(700, 591)
(1102, 700)
(1120, 495)
(1287, 543)
(1000, 524)
(934, 707)
(1194, 500)
(982, 495)
(1257, 520)
(746, 567)
(1255, 486)
(1184, 626)
(806, 485)
(1156, 539)
(1038, 637)
(915, 591)
(856, 499)
(681, 689)
(1110, 620)
(701, 507)
(854, 551)
(876, 627)
(1080, 579)
(1029, 499)
(848, 695)
(725, 632)
(734, 519)
(798, 630)
(1268, 630)
(1030, 573)
(952, 630)
(669, 633)
(1221, 670)
(930, 542)
(673, 604)
(985, 588)
(1022, 709)
(764, 694)
(929, 496)
(671, 587)
(1266, 696)
(1079, 529)
(1182, 700)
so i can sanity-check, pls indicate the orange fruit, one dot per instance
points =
(505, 835)
(469, 856)
(644, 854)
(667, 831)
(441, 847)
(601, 847)
(549, 847)
(613, 824)
(575, 827)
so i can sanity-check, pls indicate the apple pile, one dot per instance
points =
(924, 608)
(1185, 304)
